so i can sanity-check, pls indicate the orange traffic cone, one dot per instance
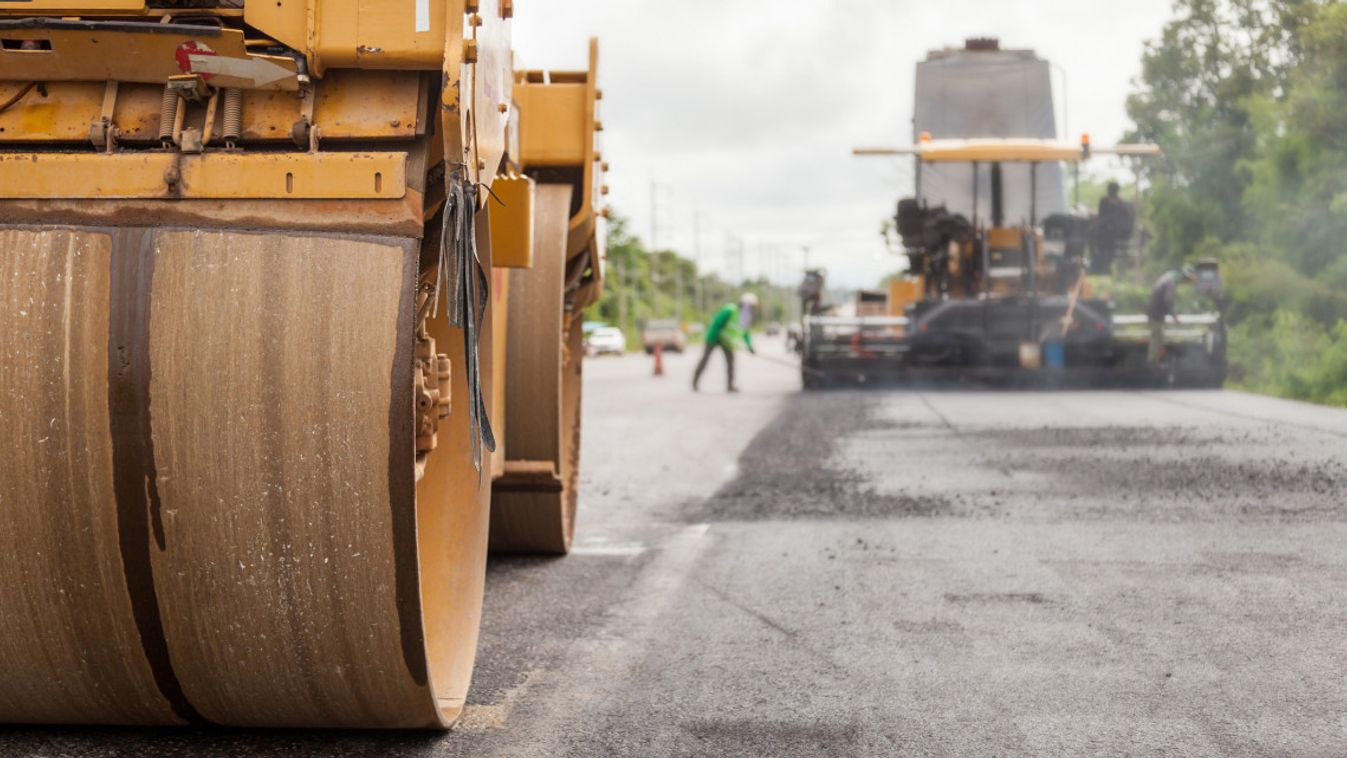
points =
(659, 359)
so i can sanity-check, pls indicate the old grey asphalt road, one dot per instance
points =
(959, 573)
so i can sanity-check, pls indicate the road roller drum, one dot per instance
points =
(252, 374)
(211, 494)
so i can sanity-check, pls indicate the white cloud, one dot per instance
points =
(747, 109)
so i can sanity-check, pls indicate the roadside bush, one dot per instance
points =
(1291, 355)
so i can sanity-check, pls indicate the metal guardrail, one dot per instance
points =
(1185, 319)
(1192, 327)
(1122, 319)
(1126, 326)
(856, 321)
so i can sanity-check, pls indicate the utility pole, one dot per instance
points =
(678, 288)
(769, 262)
(633, 296)
(729, 260)
(654, 247)
(654, 216)
(697, 304)
(624, 293)
(655, 274)
(737, 250)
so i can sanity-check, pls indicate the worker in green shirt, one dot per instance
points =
(730, 324)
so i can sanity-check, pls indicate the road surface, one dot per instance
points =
(903, 572)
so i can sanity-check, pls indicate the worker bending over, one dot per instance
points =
(730, 324)
(1161, 307)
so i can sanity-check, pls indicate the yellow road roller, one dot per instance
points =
(251, 336)
(533, 501)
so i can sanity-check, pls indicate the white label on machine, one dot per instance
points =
(422, 15)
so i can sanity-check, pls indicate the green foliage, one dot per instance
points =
(1126, 295)
(1248, 98)
(1087, 189)
(639, 286)
(1291, 355)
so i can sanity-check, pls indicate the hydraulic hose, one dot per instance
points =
(17, 96)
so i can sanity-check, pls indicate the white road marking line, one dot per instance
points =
(603, 657)
(617, 549)
(729, 471)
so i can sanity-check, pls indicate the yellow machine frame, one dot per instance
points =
(995, 239)
(986, 150)
(156, 87)
(558, 133)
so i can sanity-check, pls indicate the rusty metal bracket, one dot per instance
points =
(432, 392)
(305, 133)
(208, 127)
(103, 133)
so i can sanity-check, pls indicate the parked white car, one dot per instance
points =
(607, 339)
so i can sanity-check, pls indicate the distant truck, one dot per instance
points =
(664, 332)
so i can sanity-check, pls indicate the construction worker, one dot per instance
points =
(1112, 230)
(1161, 307)
(811, 292)
(730, 324)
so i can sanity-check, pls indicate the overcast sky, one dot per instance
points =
(744, 112)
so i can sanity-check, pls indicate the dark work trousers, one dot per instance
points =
(706, 358)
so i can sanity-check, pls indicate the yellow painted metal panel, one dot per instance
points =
(994, 150)
(73, 7)
(364, 104)
(320, 175)
(512, 222)
(500, 330)
(559, 128)
(49, 175)
(333, 37)
(1004, 238)
(142, 52)
(552, 124)
(381, 33)
(222, 176)
(138, 110)
(286, 21)
(1000, 150)
(1007, 150)
(903, 292)
(349, 105)
(63, 115)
